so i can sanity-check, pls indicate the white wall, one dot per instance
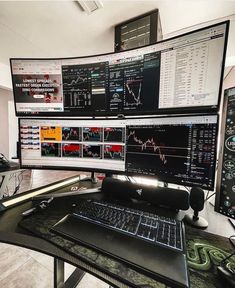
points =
(229, 80)
(5, 77)
(5, 96)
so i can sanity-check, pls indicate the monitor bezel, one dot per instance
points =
(161, 111)
(115, 172)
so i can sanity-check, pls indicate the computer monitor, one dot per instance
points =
(180, 74)
(89, 145)
(225, 186)
(179, 149)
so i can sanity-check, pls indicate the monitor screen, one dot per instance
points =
(96, 145)
(180, 74)
(179, 149)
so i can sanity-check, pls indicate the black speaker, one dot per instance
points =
(161, 196)
(196, 200)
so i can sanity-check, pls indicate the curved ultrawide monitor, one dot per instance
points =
(181, 74)
(180, 149)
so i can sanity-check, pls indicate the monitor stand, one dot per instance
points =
(92, 178)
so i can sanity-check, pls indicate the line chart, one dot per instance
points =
(91, 151)
(71, 150)
(134, 90)
(78, 80)
(114, 152)
(113, 134)
(92, 134)
(149, 143)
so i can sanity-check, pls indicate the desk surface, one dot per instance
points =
(11, 233)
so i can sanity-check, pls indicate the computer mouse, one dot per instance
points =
(226, 275)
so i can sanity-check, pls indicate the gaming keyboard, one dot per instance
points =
(146, 226)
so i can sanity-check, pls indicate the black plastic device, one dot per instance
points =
(225, 186)
(226, 275)
(125, 248)
(158, 230)
(175, 199)
(196, 201)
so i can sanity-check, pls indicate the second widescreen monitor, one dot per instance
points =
(178, 150)
(176, 75)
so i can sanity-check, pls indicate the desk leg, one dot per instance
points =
(73, 279)
(58, 273)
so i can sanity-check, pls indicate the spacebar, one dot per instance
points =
(127, 249)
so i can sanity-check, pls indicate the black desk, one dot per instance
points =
(105, 268)
(11, 233)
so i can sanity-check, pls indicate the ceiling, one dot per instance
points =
(61, 29)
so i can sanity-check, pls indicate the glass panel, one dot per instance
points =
(136, 33)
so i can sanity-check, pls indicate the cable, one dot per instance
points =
(233, 253)
(17, 187)
(207, 198)
(17, 179)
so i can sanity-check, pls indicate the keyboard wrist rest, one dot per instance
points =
(157, 262)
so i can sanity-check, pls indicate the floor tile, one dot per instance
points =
(43, 259)
(89, 281)
(30, 275)
(11, 258)
(68, 270)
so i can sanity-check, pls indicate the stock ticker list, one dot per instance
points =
(184, 75)
(203, 155)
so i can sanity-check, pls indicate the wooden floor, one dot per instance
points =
(24, 268)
